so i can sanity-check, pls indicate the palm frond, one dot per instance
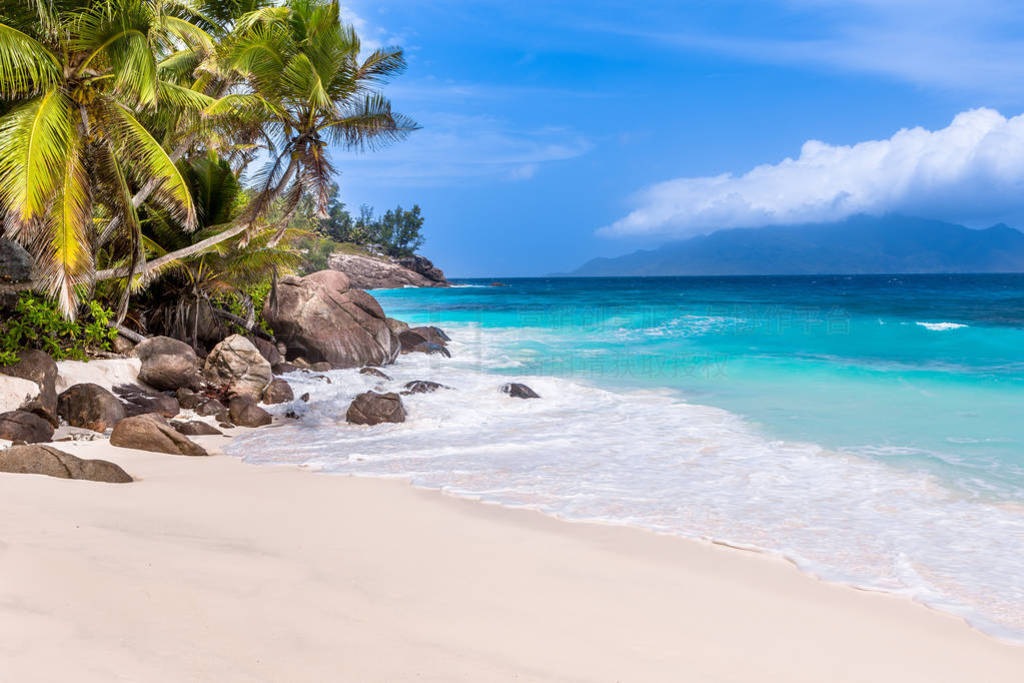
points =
(26, 66)
(33, 149)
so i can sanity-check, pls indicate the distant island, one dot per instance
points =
(858, 245)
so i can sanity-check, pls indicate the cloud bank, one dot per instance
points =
(970, 171)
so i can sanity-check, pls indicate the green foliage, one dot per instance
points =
(38, 323)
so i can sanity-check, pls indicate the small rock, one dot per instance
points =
(373, 372)
(138, 401)
(53, 462)
(245, 413)
(516, 390)
(90, 406)
(301, 363)
(195, 428)
(168, 364)
(211, 406)
(278, 391)
(370, 408)
(151, 432)
(23, 426)
(422, 386)
(188, 399)
(305, 397)
(283, 368)
(322, 366)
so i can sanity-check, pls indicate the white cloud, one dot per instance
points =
(971, 171)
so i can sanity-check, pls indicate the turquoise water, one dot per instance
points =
(917, 371)
(867, 428)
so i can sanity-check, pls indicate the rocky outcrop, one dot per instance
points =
(237, 364)
(245, 413)
(53, 462)
(138, 401)
(151, 432)
(368, 272)
(371, 408)
(90, 406)
(15, 263)
(39, 367)
(397, 326)
(321, 317)
(278, 391)
(23, 426)
(423, 266)
(517, 390)
(168, 364)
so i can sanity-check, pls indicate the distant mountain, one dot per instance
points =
(860, 244)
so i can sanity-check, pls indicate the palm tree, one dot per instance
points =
(76, 78)
(195, 288)
(299, 81)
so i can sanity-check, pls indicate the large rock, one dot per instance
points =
(278, 391)
(53, 462)
(371, 408)
(90, 406)
(151, 432)
(138, 401)
(39, 367)
(367, 272)
(168, 364)
(21, 425)
(322, 318)
(423, 266)
(15, 263)
(237, 364)
(16, 392)
(245, 413)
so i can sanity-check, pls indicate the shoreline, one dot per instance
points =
(214, 568)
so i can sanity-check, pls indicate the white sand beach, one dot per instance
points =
(208, 569)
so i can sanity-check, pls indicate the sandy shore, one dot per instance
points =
(207, 569)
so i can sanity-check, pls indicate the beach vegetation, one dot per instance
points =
(170, 159)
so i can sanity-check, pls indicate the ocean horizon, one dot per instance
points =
(865, 427)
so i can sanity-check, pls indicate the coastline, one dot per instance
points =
(210, 568)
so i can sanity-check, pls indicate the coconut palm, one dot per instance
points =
(299, 86)
(190, 292)
(76, 79)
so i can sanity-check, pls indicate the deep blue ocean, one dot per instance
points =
(871, 428)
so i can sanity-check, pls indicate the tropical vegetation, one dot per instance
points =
(168, 157)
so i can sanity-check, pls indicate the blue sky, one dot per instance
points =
(556, 132)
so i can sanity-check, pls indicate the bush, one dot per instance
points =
(38, 324)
